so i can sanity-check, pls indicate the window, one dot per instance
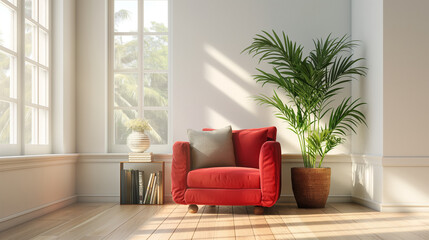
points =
(8, 73)
(24, 77)
(139, 70)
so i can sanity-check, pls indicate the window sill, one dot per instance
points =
(9, 163)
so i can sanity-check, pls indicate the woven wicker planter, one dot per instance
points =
(311, 186)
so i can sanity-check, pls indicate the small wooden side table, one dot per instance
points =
(147, 168)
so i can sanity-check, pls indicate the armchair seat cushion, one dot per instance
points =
(224, 178)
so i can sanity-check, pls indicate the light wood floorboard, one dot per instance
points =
(242, 226)
(187, 226)
(206, 226)
(283, 221)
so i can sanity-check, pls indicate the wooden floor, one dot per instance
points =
(284, 221)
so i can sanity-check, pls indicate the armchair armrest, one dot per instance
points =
(270, 169)
(179, 170)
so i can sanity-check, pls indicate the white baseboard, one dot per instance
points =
(367, 203)
(111, 198)
(331, 198)
(24, 216)
(404, 207)
(97, 198)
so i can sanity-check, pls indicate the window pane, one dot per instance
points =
(121, 131)
(126, 15)
(155, 52)
(43, 48)
(7, 122)
(31, 9)
(155, 16)
(126, 93)
(7, 76)
(156, 89)
(30, 41)
(30, 131)
(43, 87)
(43, 126)
(7, 29)
(43, 13)
(126, 54)
(158, 119)
(30, 84)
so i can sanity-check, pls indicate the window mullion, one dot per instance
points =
(8, 51)
(21, 74)
(125, 33)
(156, 33)
(140, 66)
(9, 4)
(37, 118)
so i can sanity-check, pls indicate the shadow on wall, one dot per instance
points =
(224, 97)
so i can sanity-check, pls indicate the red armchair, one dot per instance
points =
(255, 180)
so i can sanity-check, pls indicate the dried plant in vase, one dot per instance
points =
(138, 141)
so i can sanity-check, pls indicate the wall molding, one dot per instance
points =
(289, 198)
(35, 161)
(111, 198)
(405, 161)
(366, 159)
(366, 202)
(115, 157)
(391, 161)
(388, 161)
(404, 207)
(334, 158)
(24, 216)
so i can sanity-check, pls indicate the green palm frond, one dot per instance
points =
(311, 84)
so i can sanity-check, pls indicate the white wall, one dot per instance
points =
(406, 112)
(91, 64)
(214, 85)
(391, 156)
(63, 77)
(367, 150)
(31, 186)
(98, 177)
(367, 28)
(212, 80)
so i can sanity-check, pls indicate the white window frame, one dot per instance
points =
(20, 147)
(14, 147)
(112, 147)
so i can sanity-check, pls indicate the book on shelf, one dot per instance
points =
(134, 190)
(148, 189)
(135, 186)
(128, 186)
(132, 186)
(123, 187)
(140, 157)
(160, 189)
(153, 190)
(141, 187)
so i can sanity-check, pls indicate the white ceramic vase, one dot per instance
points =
(138, 142)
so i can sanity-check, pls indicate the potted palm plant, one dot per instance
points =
(307, 90)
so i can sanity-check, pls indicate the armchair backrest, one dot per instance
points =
(245, 148)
